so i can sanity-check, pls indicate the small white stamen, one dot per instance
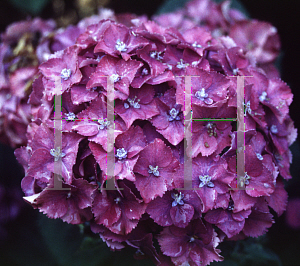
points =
(70, 116)
(245, 179)
(205, 180)
(144, 72)
(121, 154)
(248, 109)
(235, 71)
(156, 55)
(211, 129)
(56, 153)
(117, 200)
(274, 129)
(263, 96)
(121, 46)
(65, 74)
(181, 65)
(210, 125)
(192, 239)
(177, 199)
(230, 206)
(196, 45)
(174, 115)
(114, 78)
(133, 102)
(259, 156)
(103, 123)
(201, 95)
(153, 170)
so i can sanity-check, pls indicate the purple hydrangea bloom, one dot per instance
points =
(143, 59)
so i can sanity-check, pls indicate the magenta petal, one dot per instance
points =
(259, 220)
(103, 210)
(159, 209)
(132, 140)
(171, 242)
(181, 215)
(278, 200)
(80, 94)
(68, 204)
(150, 187)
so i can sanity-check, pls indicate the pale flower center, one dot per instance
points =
(65, 74)
(245, 179)
(153, 170)
(177, 199)
(196, 45)
(248, 108)
(181, 65)
(259, 156)
(205, 180)
(117, 200)
(211, 129)
(121, 46)
(274, 129)
(203, 96)
(103, 123)
(70, 116)
(132, 102)
(263, 96)
(174, 114)
(114, 78)
(156, 55)
(57, 153)
(121, 154)
(144, 72)
(235, 71)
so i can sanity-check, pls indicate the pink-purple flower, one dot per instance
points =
(144, 63)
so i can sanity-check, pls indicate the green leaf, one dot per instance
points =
(248, 252)
(33, 7)
(69, 246)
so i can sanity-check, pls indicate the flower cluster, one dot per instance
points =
(23, 47)
(147, 63)
(259, 40)
(18, 67)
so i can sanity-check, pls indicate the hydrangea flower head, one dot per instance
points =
(134, 69)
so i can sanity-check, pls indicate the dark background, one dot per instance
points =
(281, 239)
